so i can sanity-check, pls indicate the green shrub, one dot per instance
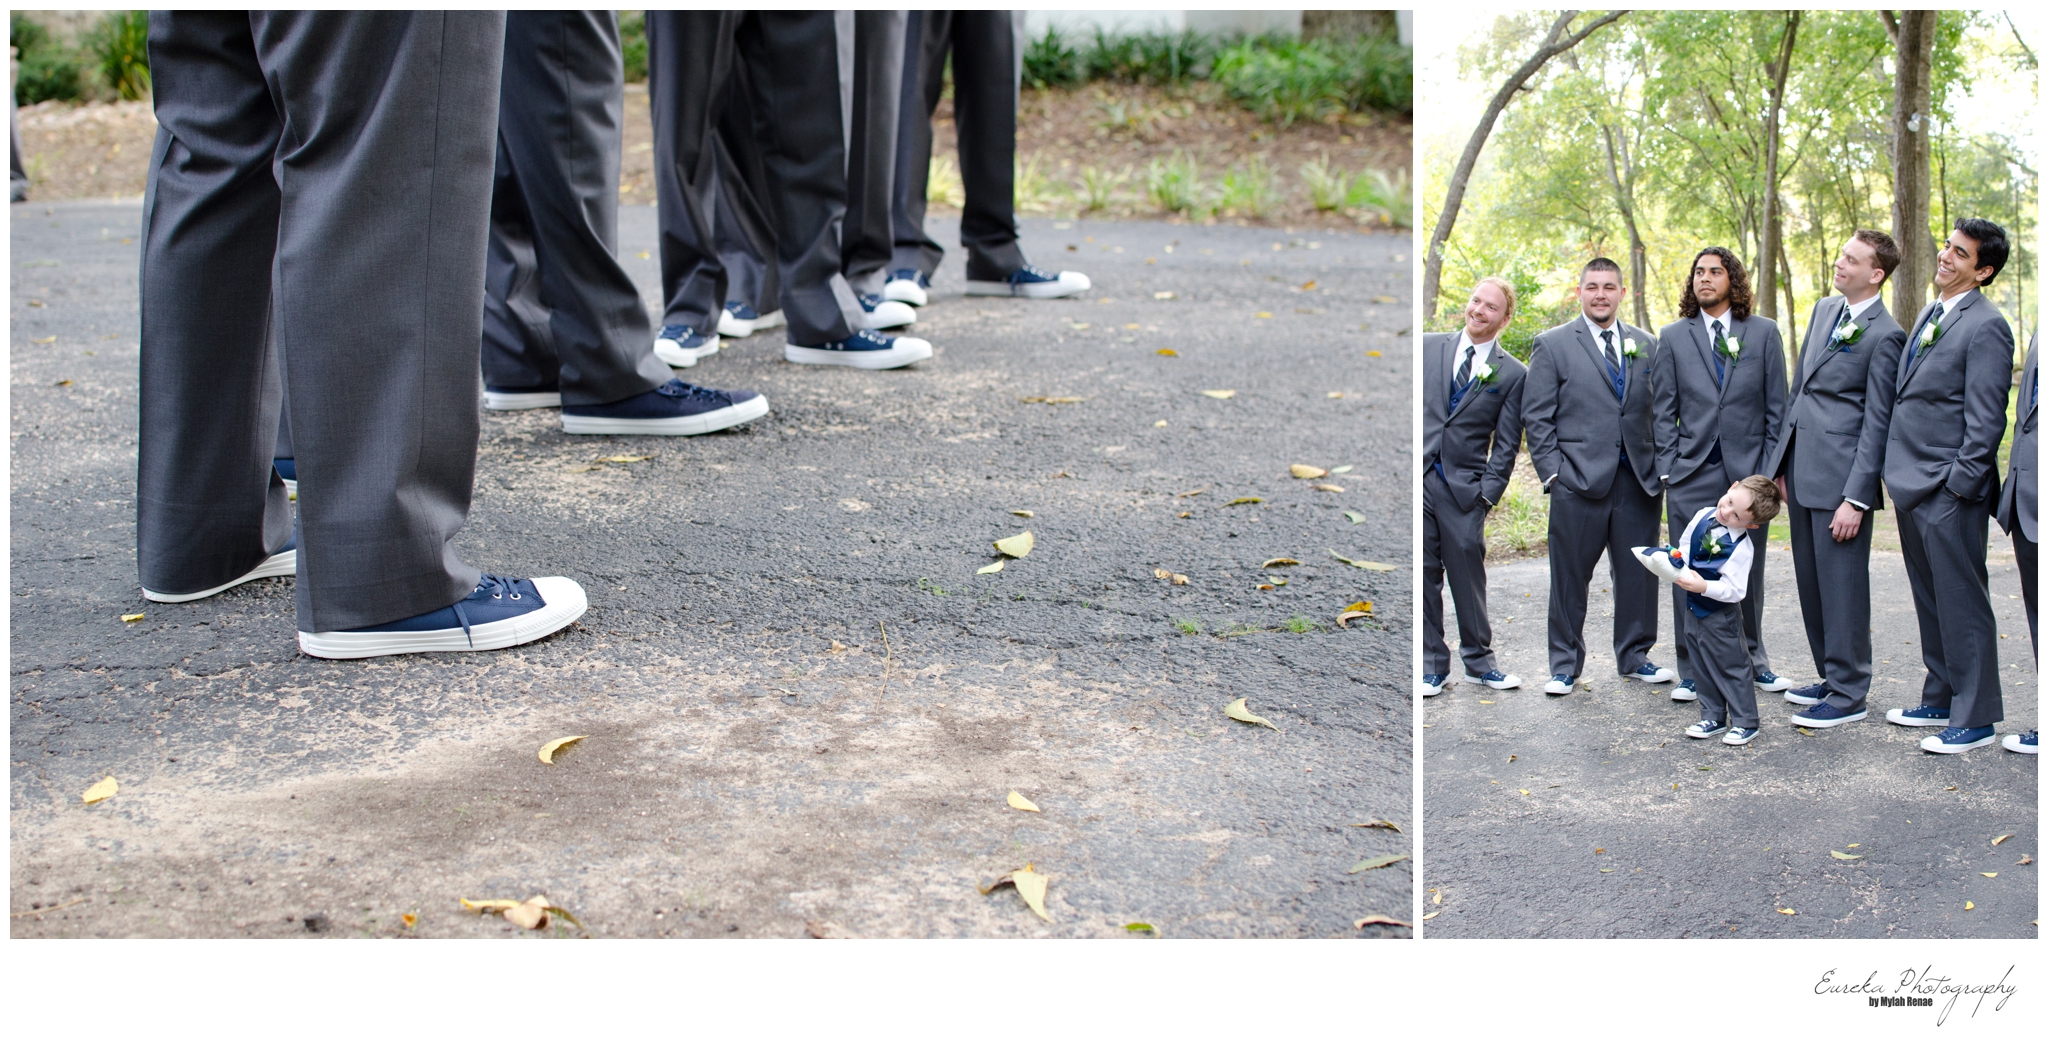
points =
(1384, 195)
(1176, 185)
(1300, 625)
(1050, 61)
(46, 71)
(119, 46)
(1188, 626)
(1380, 74)
(1284, 80)
(1329, 188)
(633, 44)
(1098, 186)
(1155, 58)
(1248, 188)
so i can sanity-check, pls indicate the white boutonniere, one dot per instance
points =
(1629, 348)
(1483, 373)
(1712, 548)
(1928, 335)
(1731, 347)
(1849, 334)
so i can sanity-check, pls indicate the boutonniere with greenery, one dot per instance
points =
(1849, 334)
(1729, 347)
(1629, 348)
(1712, 548)
(1928, 336)
(1483, 373)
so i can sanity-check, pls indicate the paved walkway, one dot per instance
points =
(761, 762)
(1558, 817)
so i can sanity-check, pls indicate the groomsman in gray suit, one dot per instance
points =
(1828, 462)
(1587, 405)
(1719, 381)
(1941, 467)
(1471, 431)
(2016, 509)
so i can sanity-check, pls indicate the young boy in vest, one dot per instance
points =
(1717, 550)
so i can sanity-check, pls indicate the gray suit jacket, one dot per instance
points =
(1478, 443)
(1693, 411)
(1950, 413)
(1577, 428)
(1841, 409)
(2016, 505)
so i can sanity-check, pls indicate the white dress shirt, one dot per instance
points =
(1726, 319)
(1734, 581)
(1466, 349)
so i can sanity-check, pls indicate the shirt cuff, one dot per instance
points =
(1860, 506)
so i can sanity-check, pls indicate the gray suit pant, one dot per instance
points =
(2025, 554)
(802, 131)
(1701, 489)
(1454, 546)
(1834, 597)
(987, 60)
(558, 305)
(1944, 544)
(745, 217)
(359, 243)
(1581, 528)
(1727, 684)
(877, 95)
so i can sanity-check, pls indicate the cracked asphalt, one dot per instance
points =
(804, 706)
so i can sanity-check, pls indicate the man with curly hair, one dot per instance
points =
(1718, 382)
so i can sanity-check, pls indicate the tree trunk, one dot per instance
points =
(1554, 44)
(1791, 317)
(1912, 34)
(1621, 175)
(1772, 232)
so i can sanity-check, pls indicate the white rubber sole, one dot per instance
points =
(564, 603)
(283, 564)
(1554, 688)
(2012, 743)
(1431, 691)
(728, 326)
(1729, 738)
(1779, 686)
(889, 314)
(1684, 696)
(675, 355)
(1511, 682)
(1931, 745)
(1663, 675)
(520, 400)
(1817, 723)
(906, 351)
(1070, 283)
(1897, 717)
(906, 291)
(695, 424)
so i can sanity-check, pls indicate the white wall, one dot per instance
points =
(1252, 22)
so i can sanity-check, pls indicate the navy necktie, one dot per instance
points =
(1933, 319)
(1720, 368)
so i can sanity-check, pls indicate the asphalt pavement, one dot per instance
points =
(804, 706)
(1593, 815)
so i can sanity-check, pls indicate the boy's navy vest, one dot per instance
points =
(1709, 569)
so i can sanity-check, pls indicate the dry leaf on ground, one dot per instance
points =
(1341, 469)
(2000, 839)
(994, 567)
(1326, 487)
(1989, 874)
(1162, 295)
(1840, 855)
(531, 913)
(130, 618)
(1017, 547)
(1345, 618)
(1161, 574)
(1384, 824)
(1969, 905)
(1245, 500)
(1270, 563)
(1167, 352)
(1377, 862)
(1029, 884)
(1787, 910)
(1021, 513)
(1219, 393)
(1180, 578)
(1307, 471)
(1379, 919)
(1355, 517)
(1053, 399)
(102, 791)
(1364, 564)
(1192, 493)
(548, 750)
(1018, 801)
(826, 931)
(1238, 711)
(628, 458)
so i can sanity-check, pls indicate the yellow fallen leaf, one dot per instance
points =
(1345, 618)
(1489, 702)
(1989, 874)
(1162, 295)
(1017, 547)
(1022, 513)
(1604, 870)
(1180, 578)
(1031, 886)
(1307, 471)
(1385, 824)
(1999, 839)
(1969, 906)
(838, 646)
(1359, 607)
(1018, 801)
(1840, 855)
(1377, 862)
(1162, 574)
(994, 567)
(44, 340)
(1853, 845)
(66, 383)
(409, 919)
(1245, 500)
(1310, 285)
(1238, 711)
(1269, 315)
(1373, 352)
(1270, 563)
(1379, 919)
(130, 618)
(1334, 395)
(1364, 564)
(628, 458)
(1326, 487)
(547, 752)
(1219, 393)
(1524, 790)
(1167, 352)
(102, 791)
(1053, 399)
(1385, 300)
(1341, 469)
(1431, 914)
(1787, 910)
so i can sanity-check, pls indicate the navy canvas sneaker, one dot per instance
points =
(288, 470)
(682, 346)
(1559, 685)
(1495, 680)
(740, 320)
(1771, 683)
(675, 408)
(1807, 696)
(1957, 739)
(535, 398)
(1651, 673)
(879, 313)
(1740, 735)
(1432, 685)
(282, 563)
(1705, 728)
(1686, 690)
(865, 350)
(1029, 282)
(1822, 715)
(1924, 715)
(2028, 743)
(499, 612)
(908, 286)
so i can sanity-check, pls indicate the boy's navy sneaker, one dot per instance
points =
(2028, 743)
(1559, 685)
(879, 313)
(682, 346)
(1686, 690)
(1740, 735)
(1957, 739)
(1648, 672)
(1924, 715)
(1705, 728)
(1433, 684)
(1807, 696)
(1030, 282)
(908, 286)
(535, 398)
(282, 563)
(1495, 680)
(499, 612)
(740, 320)
(1821, 715)
(675, 408)
(1771, 683)
(865, 350)
(288, 470)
